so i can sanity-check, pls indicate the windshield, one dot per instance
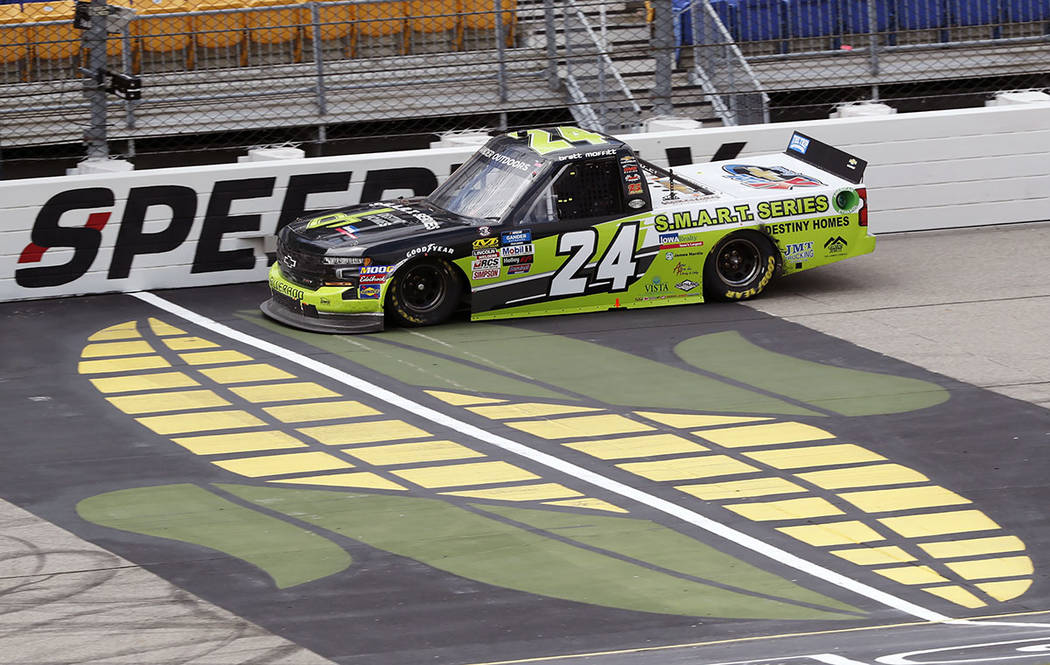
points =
(486, 186)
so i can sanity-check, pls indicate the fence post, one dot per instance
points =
(663, 45)
(501, 53)
(95, 41)
(552, 46)
(125, 65)
(315, 19)
(873, 36)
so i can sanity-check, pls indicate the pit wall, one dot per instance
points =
(198, 226)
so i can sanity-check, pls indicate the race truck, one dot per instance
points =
(565, 220)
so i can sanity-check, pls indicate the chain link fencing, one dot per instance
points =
(338, 76)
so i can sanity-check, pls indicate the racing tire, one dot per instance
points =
(423, 293)
(739, 267)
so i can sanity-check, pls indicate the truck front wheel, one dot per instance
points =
(423, 293)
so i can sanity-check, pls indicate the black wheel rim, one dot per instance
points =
(423, 288)
(738, 262)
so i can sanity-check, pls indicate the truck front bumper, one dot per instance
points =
(320, 310)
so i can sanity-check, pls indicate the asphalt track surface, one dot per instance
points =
(849, 470)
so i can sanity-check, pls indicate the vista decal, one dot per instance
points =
(76, 219)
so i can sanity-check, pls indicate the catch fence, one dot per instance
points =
(236, 73)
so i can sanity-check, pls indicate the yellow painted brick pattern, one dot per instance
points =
(141, 382)
(777, 458)
(282, 457)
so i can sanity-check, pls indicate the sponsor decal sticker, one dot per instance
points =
(487, 273)
(674, 241)
(516, 260)
(369, 292)
(795, 252)
(656, 286)
(484, 231)
(430, 248)
(835, 246)
(686, 285)
(481, 264)
(286, 289)
(768, 177)
(692, 219)
(500, 158)
(516, 237)
(519, 269)
(374, 274)
(803, 205)
(682, 269)
(799, 144)
(669, 256)
(428, 222)
(342, 260)
(517, 250)
(482, 243)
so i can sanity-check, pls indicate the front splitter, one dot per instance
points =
(364, 322)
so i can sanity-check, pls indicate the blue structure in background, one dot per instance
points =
(779, 20)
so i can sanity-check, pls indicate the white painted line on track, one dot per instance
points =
(674, 510)
(828, 658)
(1035, 651)
(835, 659)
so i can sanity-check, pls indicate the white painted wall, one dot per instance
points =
(930, 170)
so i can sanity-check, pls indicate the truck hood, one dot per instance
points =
(368, 224)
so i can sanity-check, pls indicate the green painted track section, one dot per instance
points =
(653, 545)
(412, 367)
(449, 356)
(289, 554)
(536, 560)
(848, 392)
(452, 357)
(583, 368)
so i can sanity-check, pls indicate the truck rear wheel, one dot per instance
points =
(740, 267)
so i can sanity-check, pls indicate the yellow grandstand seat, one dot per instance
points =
(218, 31)
(14, 47)
(275, 34)
(433, 25)
(53, 35)
(380, 28)
(335, 28)
(480, 15)
(162, 42)
(54, 42)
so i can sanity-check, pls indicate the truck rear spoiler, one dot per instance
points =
(826, 158)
